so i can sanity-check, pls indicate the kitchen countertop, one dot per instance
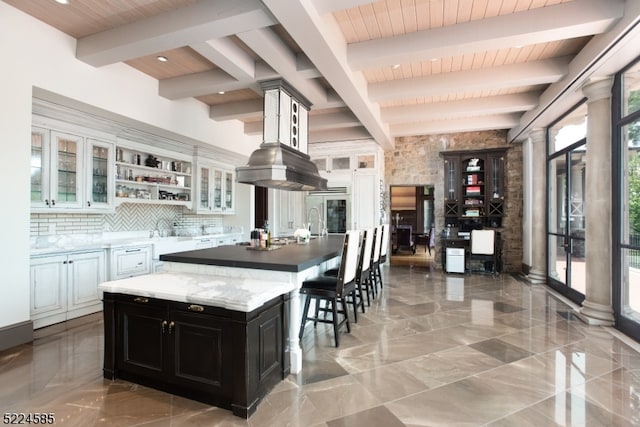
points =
(292, 257)
(232, 293)
(72, 243)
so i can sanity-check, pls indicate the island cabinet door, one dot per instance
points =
(142, 347)
(202, 356)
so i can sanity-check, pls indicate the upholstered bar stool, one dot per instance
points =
(363, 279)
(376, 278)
(384, 248)
(329, 293)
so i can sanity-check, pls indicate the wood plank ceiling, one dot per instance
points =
(379, 69)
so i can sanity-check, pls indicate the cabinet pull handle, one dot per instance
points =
(195, 307)
(142, 300)
(164, 325)
(171, 325)
(46, 202)
(140, 263)
(88, 203)
(71, 262)
(53, 202)
(133, 250)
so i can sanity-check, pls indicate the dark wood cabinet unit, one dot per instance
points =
(474, 190)
(225, 358)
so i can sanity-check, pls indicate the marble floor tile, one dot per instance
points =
(432, 349)
(565, 409)
(471, 401)
(375, 417)
(501, 350)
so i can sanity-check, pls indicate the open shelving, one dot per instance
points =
(158, 178)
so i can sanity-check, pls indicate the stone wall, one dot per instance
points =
(416, 160)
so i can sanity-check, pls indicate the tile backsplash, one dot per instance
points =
(127, 217)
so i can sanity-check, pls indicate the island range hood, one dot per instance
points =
(282, 161)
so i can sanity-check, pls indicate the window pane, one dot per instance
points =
(572, 128)
(631, 284)
(631, 82)
(630, 188)
(577, 197)
(557, 196)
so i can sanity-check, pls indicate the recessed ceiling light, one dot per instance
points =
(221, 92)
(396, 66)
(162, 58)
(62, 1)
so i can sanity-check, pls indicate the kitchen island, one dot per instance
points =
(218, 340)
(292, 264)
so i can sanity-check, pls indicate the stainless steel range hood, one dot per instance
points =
(282, 161)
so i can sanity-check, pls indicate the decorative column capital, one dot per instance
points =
(537, 135)
(596, 90)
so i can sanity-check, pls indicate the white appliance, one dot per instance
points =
(330, 209)
(455, 260)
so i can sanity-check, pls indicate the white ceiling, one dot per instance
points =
(379, 69)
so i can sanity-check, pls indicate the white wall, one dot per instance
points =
(38, 55)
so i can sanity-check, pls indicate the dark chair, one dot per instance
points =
(384, 247)
(329, 292)
(404, 239)
(384, 244)
(363, 280)
(376, 278)
(363, 275)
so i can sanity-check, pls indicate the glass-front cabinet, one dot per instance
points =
(474, 191)
(100, 160)
(70, 172)
(216, 188)
(56, 169)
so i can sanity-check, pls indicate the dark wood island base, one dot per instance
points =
(226, 358)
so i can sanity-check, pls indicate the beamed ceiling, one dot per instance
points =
(379, 69)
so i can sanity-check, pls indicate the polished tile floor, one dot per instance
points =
(432, 350)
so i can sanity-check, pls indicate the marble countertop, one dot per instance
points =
(232, 293)
(73, 243)
(292, 258)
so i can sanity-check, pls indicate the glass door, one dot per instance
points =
(337, 215)
(100, 186)
(217, 190)
(66, 178)
(228, 191)
(566, 229)
(628, 304)
(39, 167)
(203, 200)
(626, 231)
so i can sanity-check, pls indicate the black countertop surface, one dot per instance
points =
(292, 257)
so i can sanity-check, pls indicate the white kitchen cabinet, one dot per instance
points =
(145, 174)
(339, 163)
(366, 199)
(205, 242)
(287, 211)
(70, 172)
(130, 261)
(227, 239)
(65, 286)
(215, 189)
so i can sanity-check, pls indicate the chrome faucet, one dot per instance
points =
(166, 230)
(317, 215)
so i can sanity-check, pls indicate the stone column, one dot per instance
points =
(538, 273)
(596, 308)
